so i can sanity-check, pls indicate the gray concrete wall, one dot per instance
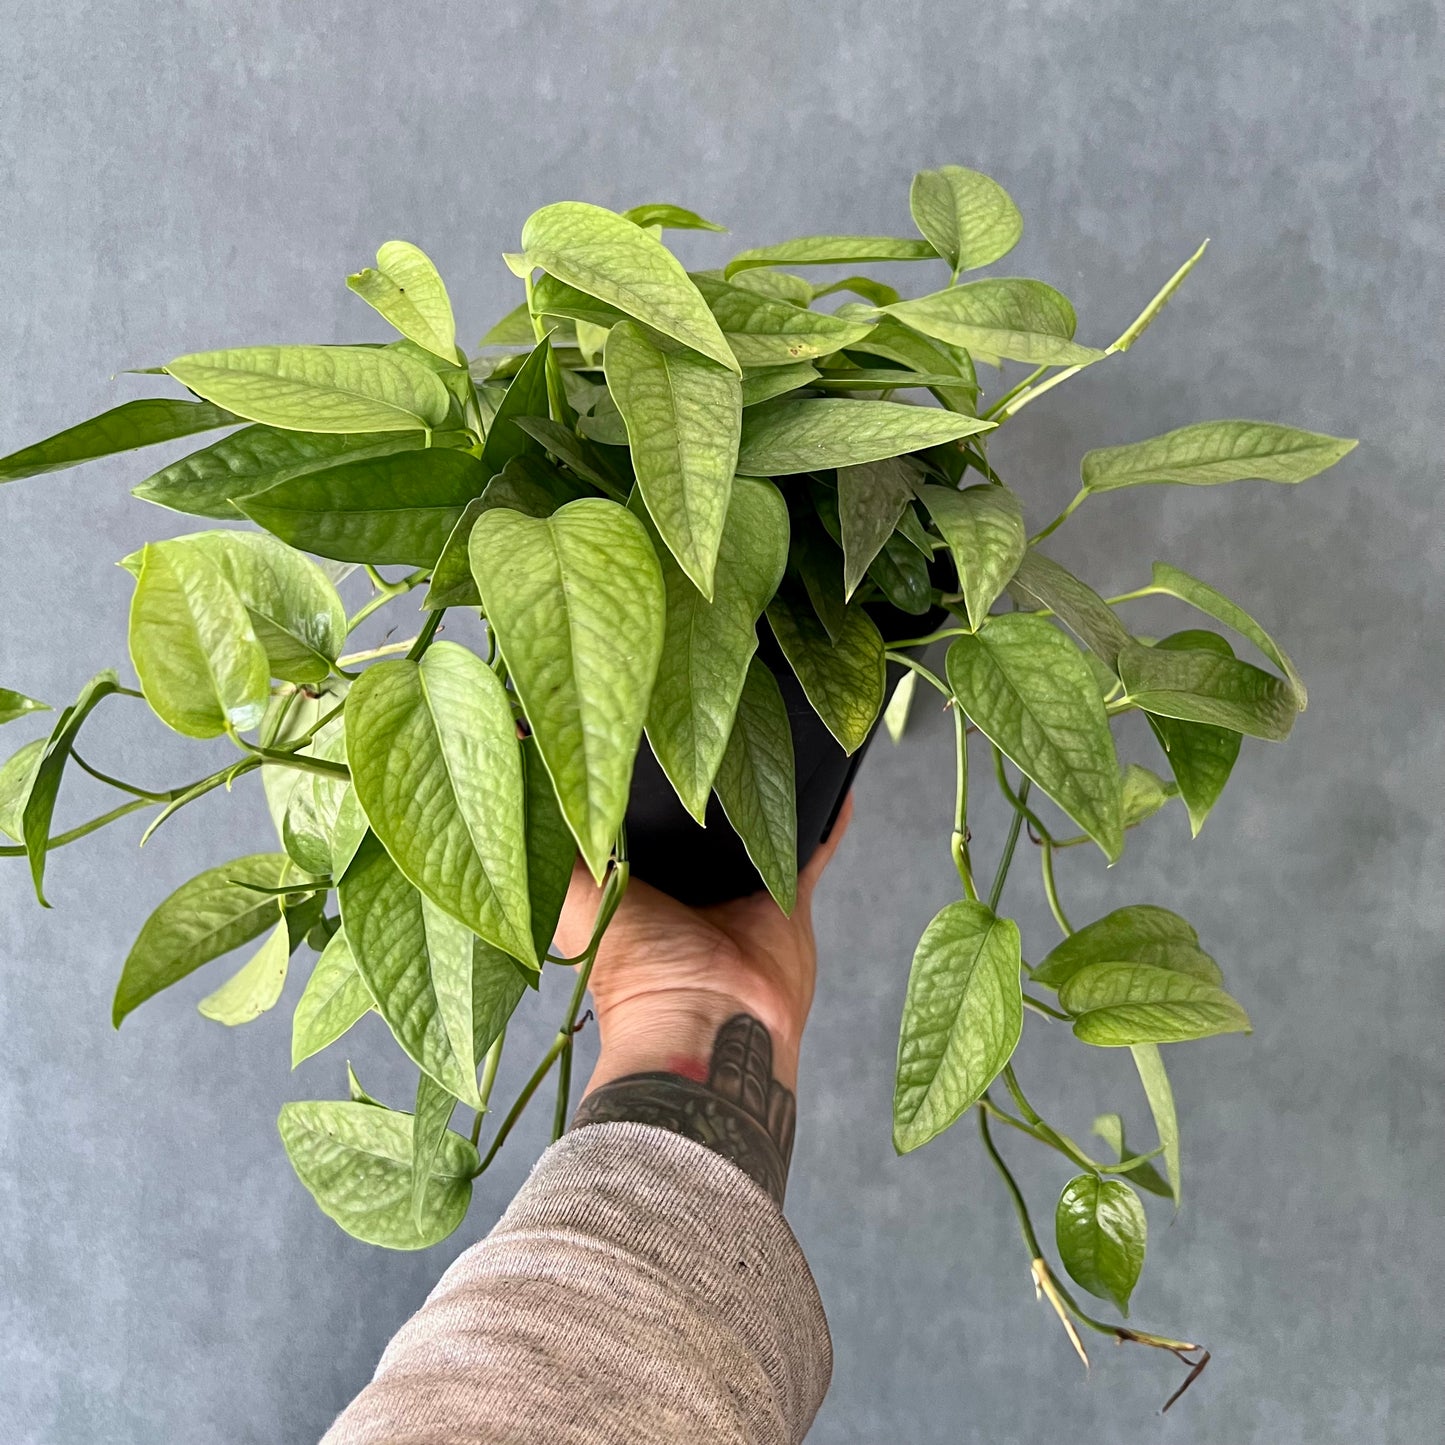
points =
(183, 175)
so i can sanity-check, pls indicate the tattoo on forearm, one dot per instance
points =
(741, 1112)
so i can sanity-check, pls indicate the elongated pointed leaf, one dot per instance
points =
(386, 924)
(589, 462)
(895, 342)
(599, 252)
(1137, 1003)
(431, 1115)
(203, 919)
(1210, 452)
(871, 498)
(1018, 320)
(756, 784)
(764, 331)
(123, 428)
(1140, 933)
(256, 986)
(16, 705)
(1145, 793)
(895, 715)
(961, 1020)
(355, 1159)
(577, 602)
(666, 217)
(17, 776)
(780, 285)
(1028, 689)
(844, 680)
(1199, 685)
(526, 396)
(406, 288)
(832, 251)
(318, 388)
(771, 382)
(969, 219)
(1101, 1231)
(1041, 581)
(398, 508)
(786, 437)
(707, 645)
(984, 529)
(1150, 1064)
(1110, 1128)
(551, 297)
(335, 997)
(434, 760)
(193, 645)
(683, 414)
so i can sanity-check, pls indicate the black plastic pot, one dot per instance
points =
(703, 865)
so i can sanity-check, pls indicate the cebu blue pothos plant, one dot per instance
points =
(644, 472)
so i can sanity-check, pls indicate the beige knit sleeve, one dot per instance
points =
(639, 1290)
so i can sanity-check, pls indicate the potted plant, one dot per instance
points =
(704, 521)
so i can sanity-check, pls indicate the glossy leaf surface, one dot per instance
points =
(1101, 1232)
(786, 437)
(1138, 1003)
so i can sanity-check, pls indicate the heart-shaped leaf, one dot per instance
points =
(1140, 933)
(1204, 686)
(1101, 1231)
(969, 219)
(844, 680)
(406, 288)
(1041, 581)
(984, 529)
(1138, 1003)
(871, 498)
(895, 342)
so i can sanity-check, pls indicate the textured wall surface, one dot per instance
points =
(194, 174)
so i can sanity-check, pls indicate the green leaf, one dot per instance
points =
(357, 1093)
(1150, 1064)
(204, 918)
(1140, 933)
(895, 715)
(17, 775)
(434, 760)
(588, 461)
(682, 413)
(256, 986)
(1200, 757)
(881, 379)
(871, 498)
(409, 954)
(209, 482)
(201, 667)
(551, 851)
(756, 787)
(1139, 1003)
(318, 388)
(1029, 691)
(1204, 686)
(123, 428)
(1101, 1232)
(895, 342)
(1210, 452)
(399, 508)
(1041, 581)
(818, 563)
(355, 1159)
(609, 257)
(901, 572)
(526, 396)
(769, 382)
(969, 220)
(787, 437)
(16, 705)
(406, 289)
(551, 297)
(1018, 320)
(1144, 793)
(707, 645)
(961, 1020)
(780, 285)
(832, 251)
(844, 680)
(674, 218)
(1110, 1128)
(432, 1113)
(335, 997)
(765, 331)
(984, 529)
(577, 601)
(1175, 582)
(874, 292)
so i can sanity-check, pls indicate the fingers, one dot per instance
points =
(808, 878)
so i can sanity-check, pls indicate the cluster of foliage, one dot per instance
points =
(640, 466)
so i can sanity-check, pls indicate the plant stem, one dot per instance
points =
(960, 810)
(388, 650)
(1013, 391)
(61, 839)
(1046, 864)
(489, 1078)
(1067, 512)
(303, 762)
(523, 1099)
(1007, 857)
(423, 638)
(1040, 1007)
(130, 788)
(931, 637)
(922, 671)
(385, 592)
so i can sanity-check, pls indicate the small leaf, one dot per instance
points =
(318, 388)
(770, 382)
(984, 529)
(1041, 580)
(16, 705)
(764, 331)
(355, 1159)
(200, 664)
(874, 292)
(123, 428)
(673, 218)
(844, 680)
(407, 290)
(17, 776)
(357, 1093)
(1150, 1064)
(335, 997)
(1204, 686)
(1101, 1232)
(1211, 452)
(577, 601)
(961, 1020)
(895, 715)
(832, 251)
(786, 437)
(871, 498)
(256, 986)
(434, 760)
(1144, 793)
(1018, 320)
(204, 918)
(1028, 689)
(1110, 1128)
(1138, 1003)
(889, 378)
(398, 508)
(682, 413)
(756, 787)
(969, 220)
(609, 257)
(1140, 933)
